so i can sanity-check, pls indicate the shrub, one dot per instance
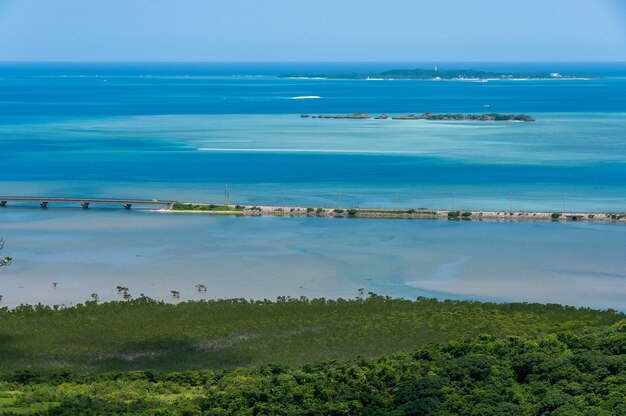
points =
(453, 215)
(352, 212)
(466, 214)
(556, 215)
(179, 206)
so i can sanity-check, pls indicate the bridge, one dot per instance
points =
(85, 202)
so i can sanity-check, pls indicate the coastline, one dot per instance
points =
(391, 213)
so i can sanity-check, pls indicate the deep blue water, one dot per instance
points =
(133, 89)
(250, 168)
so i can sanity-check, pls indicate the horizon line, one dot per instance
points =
(297, 61)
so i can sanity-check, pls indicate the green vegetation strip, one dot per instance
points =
(377, 356)
(179, 206)
(144, 333)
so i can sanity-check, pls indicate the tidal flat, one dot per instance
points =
(96, 250)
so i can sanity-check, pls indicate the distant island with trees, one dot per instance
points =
(431, 116)
(435, 74)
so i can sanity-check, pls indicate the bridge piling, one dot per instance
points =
(85, 203)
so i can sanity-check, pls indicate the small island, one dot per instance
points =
(437, 75)
(471, 117)
(355, 116)
(431, 116)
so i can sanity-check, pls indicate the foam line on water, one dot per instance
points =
(285, 150)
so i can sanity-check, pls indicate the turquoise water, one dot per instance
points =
(184, 131)
(563, 161)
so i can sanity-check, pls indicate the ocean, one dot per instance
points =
(185, 131)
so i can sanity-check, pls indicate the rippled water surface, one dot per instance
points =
(152, 253)
(185, 131)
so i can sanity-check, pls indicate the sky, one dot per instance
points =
(319, 30)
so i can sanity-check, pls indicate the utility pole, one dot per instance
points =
(283, 197)
(339, 206)
(453, 199)
(395, 201)
(226, 194)
(564, 201)
(511, 202)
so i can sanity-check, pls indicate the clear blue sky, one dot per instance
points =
(316, 30)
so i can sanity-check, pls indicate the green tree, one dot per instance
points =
(7, 260)
(421, 397)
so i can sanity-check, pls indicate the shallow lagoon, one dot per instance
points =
(152, 253)
(183, 132)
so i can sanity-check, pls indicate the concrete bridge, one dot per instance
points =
(85, 202)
